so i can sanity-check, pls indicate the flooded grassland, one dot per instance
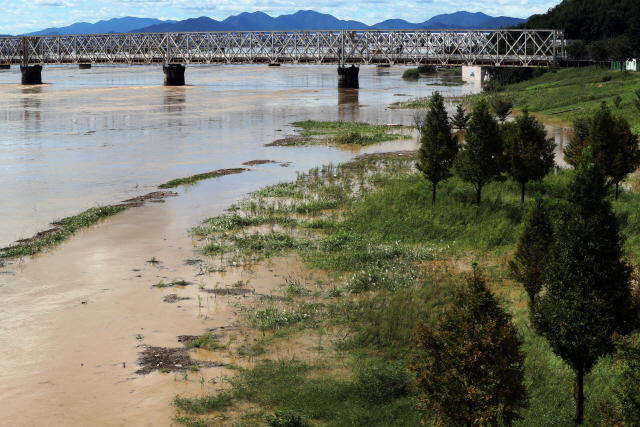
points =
(74, 320)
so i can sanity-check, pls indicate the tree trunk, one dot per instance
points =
(478, 194)
(580, 397)
(617, 190)
(433, 198)
(522, 199)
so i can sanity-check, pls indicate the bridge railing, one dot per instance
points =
(359, 47)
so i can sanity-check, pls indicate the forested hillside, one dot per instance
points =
(591, 20)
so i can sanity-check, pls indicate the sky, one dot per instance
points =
(23, 16)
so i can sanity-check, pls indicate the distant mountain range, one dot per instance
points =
(260, 21)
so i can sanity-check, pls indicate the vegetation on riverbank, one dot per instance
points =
(192, 179)
(393, 260)
(349, 133)
(570, 93)
(63, 229)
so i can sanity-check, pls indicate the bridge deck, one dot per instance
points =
(520, 48)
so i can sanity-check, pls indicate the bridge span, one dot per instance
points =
(347, 49)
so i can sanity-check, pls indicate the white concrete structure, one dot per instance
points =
(475, 73)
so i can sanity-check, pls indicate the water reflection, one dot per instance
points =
(31, 105)
(174, 99)
(348, 102)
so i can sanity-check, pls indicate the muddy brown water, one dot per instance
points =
(73, 320)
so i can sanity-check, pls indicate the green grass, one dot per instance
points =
(190, 179)
(65, 228)
(393, 261)
(349, 133)
(573, 92)
(411, 73)
(206, 341)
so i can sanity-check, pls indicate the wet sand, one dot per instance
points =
(71, 318)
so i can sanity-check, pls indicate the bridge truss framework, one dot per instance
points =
(517, 48)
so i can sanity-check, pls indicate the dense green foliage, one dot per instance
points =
(614, 148)
(588, 295)
(480, 160)
(532, 251)
(438, 146)
(470, 368)
(460, 119)
(592, 19)
(528, 153)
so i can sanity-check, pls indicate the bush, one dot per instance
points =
(427, 69)
(607, 78)
(384, 384)
(411, 73)
(286, 418)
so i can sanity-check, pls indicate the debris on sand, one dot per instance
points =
(169, 360)
(154, 197)
(171, 298)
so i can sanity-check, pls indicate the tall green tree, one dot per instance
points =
(470, 369)
(480, 160)
(614, 147)
(528, 153)
(439, 147)
(532, 251)
(587, 294)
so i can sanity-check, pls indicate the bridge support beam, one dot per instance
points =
(5, 66)
(31, 75)
(475, 73)
(84, 66)
(348, 77)
(173, 74)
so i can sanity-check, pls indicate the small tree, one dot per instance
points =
(501, 106)
(460, 119)
(439, 147)
(614, 147)
(588, 293)
(480, 160)
(577, 51)
(528, 153)
(598, 51)
(470, 369)
(532, 251)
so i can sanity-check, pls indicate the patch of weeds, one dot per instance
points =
(203, 404)
(206, 341)
(294, 288)
(199, 177)
(272, 318)
(163, 370)
(194, 368)
(286, 418)
(351, 133)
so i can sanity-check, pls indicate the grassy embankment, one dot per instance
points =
(393, 260)
(562, 96)
(63, 229)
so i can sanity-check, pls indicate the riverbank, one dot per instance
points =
(381, 259)
(560, 97)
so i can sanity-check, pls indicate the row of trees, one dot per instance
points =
(614, 49)
(583, 296)
(519, 149)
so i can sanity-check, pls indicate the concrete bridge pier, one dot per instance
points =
(31, 75)
(475, 73)
(173, 74)
(348, 77)
(84, 66)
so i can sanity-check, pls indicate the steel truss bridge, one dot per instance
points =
(511, 48)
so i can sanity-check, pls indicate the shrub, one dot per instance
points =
(606, 78)
(411, 73)
(286, 418)
(384, 384)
